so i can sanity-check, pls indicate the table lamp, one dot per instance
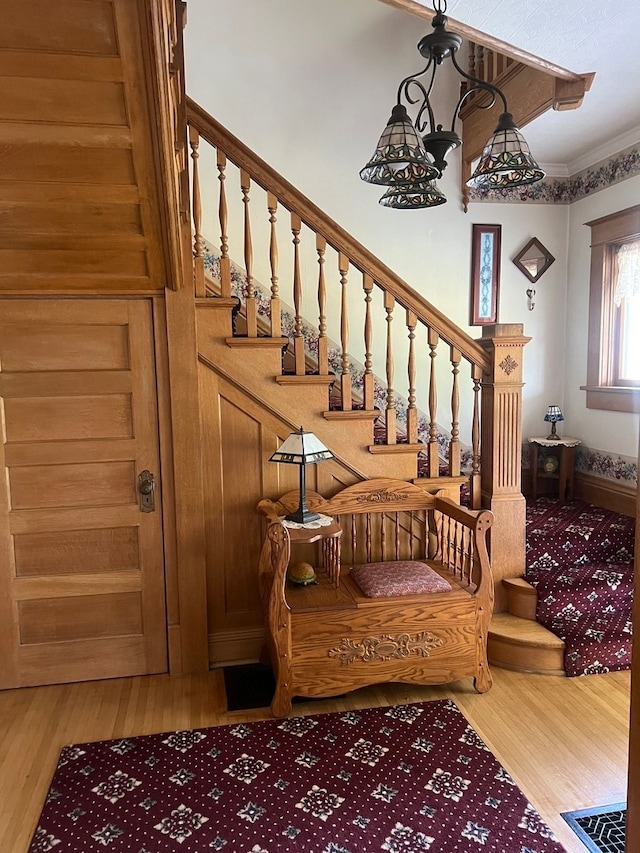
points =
(301, 448)
(554, 414)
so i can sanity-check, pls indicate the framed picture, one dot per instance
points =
(485, 274)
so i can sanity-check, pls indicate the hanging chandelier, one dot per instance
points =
(410, 156)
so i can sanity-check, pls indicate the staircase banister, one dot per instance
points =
(295, 201)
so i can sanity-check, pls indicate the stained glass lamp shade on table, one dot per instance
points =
(554, 415)
(301, 448)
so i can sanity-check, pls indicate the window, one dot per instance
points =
(626, 300)
(613, 363)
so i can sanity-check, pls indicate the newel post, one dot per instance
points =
(501, 448)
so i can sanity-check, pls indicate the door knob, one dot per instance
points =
(146, 491)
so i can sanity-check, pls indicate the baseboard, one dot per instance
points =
(609, 494)
(228, 648)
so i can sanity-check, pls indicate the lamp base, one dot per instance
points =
(553, 436)
(302, 516)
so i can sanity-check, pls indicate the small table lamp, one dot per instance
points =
(301, 448)
(554, 414)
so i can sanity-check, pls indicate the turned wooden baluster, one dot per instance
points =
(476, 376)
(275, 310)
(196, 206)
(391, 426)
(367, 537)
(225, 262)
(412, 412)
(433, 458)
(480, 60)
(367, 379)
(345, 376)
(454, 444)
(396, 523)
(323, 360)
(298, 339)
(251, 306)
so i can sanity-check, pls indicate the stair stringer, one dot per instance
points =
(301, 405)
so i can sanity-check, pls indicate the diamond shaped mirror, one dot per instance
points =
(533, 259)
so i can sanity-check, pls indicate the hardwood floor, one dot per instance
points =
(564, 740)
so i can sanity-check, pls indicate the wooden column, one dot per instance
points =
(501, 443)
(187, 598)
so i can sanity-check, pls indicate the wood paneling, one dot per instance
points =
(54, 346)
(39, 162)
(57, 552)
(19, 220)
(80, 199)
(55, 486)
(62, 101)
(54, 620)
(64, 26)
(54, 419)
(238, 437)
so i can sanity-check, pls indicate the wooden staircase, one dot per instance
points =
(287, 252)
(517, 641)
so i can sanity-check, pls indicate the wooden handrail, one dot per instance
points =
(298, 204)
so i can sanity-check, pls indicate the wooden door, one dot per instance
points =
(81, 566)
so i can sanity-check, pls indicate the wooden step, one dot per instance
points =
(521, 598)
(296, 400)
(524, 645)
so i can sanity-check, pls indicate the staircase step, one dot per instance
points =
(524, 645)
(305, 379)
(304, 403)
(352, 415)
(384, 449)
(257, 343)
(521, 598)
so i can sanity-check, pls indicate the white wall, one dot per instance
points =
(309, 86)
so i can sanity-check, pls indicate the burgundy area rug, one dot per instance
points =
(405, 779)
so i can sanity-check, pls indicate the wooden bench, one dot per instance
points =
(328, 638)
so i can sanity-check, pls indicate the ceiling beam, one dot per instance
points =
(414, 7)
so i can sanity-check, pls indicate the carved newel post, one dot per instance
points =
(501, 442)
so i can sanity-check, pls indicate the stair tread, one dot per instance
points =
(401, 447)
(524, 632)
(520, 585)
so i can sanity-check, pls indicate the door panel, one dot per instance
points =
(81, 567)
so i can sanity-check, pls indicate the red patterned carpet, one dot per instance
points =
(580, 559)
(406, 779)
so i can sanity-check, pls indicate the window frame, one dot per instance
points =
(607, 233)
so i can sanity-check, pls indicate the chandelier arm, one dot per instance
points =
(404, 89)
(479, 84)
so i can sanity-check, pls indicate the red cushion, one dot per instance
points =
(401, 577)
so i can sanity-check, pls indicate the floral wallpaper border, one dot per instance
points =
(598, 463)
(609, 466)
(606, 173)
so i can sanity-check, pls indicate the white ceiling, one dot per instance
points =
(581, 36)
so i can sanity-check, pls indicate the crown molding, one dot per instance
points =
(603, 152)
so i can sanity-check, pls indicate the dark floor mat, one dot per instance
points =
(601, 829)
(247, 686)
(252, 685)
